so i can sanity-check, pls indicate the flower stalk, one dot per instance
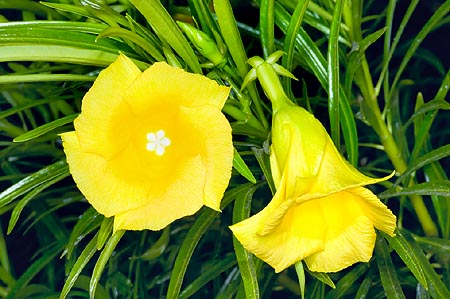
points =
(372, 114)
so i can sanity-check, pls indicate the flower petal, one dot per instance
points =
(300, 233)
(186, 89)
(104, 190)
(214, 144)
(337, 174)
(99, 106)
(183, 197)
(350, 236)
(382, 218)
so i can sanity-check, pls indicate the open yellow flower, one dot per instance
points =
(150, 147)
(320, 212)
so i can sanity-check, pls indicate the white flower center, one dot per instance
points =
(157, 142)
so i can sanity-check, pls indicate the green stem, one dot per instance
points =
(373, 115)
(392, 150)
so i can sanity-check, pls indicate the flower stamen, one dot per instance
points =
(157, 142)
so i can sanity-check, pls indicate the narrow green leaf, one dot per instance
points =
(437, 16)
(409, 254)
(27, 198)
(440, 188)
(158, 247)
(434, 245)
(4, 258)
(347, 281)
(48, 255)
(104, 232)
(33, 181)
(102, 260)
(323, 278)
(266, 26)
(434, 155)
(207, 275)
(427, 107)
(264, 164)
(436, 287)
(7, 79)
(135, 38)
(85, 256)
(389, 278)
(39, 131)
(242, 168)
(87, 222)
(299, 269)
(245, 259)
(198, 228)
(166, 29)
(231, 36)
(333, 73)
(289, 41)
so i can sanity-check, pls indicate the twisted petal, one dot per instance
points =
(329, 233)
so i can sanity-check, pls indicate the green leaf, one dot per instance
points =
(389, 278)
(439, 187)
(166, 29)
(85, 256)
(436, 287)
(347, 281)
(427, 107)
(409, 254)
(158, 247)
(32, 181)
(197, 230)
(27, 198)
(299, 269)
(242, 168)
(39, 131)
(289, 41)
(245, 259)
(102, 260)
(432, 22)
(266, 27)
(434, 155)
(104, 232)
(48, 255)
(207, 275)
(135, 38)
(333, 73)
(86, 223)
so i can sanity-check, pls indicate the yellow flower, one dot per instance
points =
(320, 212)
(150, 147)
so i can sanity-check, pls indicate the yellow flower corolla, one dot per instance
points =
(320, 213)
(150, 147)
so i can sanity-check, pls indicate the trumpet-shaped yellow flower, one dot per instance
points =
(320, 212)
(150, 147)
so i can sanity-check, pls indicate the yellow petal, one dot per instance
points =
(350, 236)
(105, 191)
(300, 233)
(164, 85)
(381, 217)
(298, 139)
(214, 144)
(101, 103)
(337, 174)
(183, 197)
